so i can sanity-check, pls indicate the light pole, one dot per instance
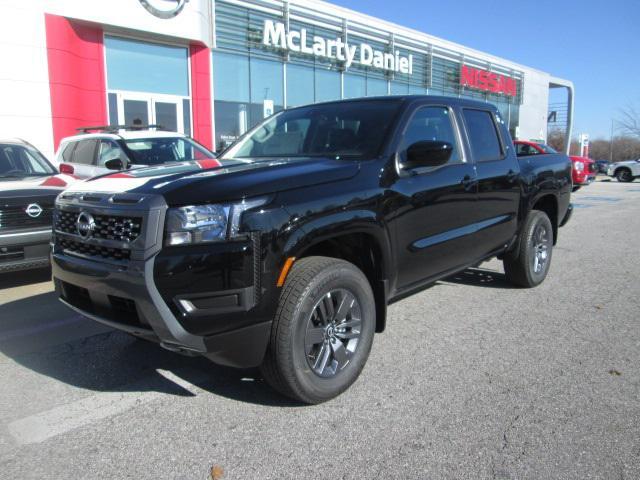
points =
(611, 142)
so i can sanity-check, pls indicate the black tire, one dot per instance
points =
(289, 365)
(525, 265)
(624, 175)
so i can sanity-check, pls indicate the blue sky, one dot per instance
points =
(594, 43)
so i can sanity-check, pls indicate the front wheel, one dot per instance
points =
(322, 332)
(527, 266)
(624, 175)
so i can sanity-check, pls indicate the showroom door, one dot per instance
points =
(144, 109)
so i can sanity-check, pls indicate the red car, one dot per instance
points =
(583, 170)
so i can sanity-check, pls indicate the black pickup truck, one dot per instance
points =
(287, 254)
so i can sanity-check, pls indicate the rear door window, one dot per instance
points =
(483, 135)
(523, 150)
(67, 153)
(85, 152)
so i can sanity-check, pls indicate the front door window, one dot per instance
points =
(167, 115)
(136, 112)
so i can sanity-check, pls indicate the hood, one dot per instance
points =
(195, 182)
(34, 186)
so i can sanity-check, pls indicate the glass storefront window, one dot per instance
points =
(146, 67)
(266, 81)
(417, 90)
(327, 85)
(231, 77)
(299, 85)
(399, 88)
(247, 73)
(514, 119)
(267, 85)
(231, 97)
(355, 86)
(376, 87)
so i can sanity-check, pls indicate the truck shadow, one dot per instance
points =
(480, 277)
(42, 335)
(26, 277)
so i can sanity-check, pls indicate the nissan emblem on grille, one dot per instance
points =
(85, 224)
(33, 210)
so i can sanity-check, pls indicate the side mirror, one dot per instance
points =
(428, 154)
(114, 164)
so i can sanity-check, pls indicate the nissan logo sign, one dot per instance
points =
(85, 224)
(164, 8)
(33, 210)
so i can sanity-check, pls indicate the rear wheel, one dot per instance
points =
(322, 332)
(624, 175)
(527, 266)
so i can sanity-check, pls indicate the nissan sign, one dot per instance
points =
(164, 8)
(487, 81)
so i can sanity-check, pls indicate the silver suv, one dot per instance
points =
(100, 150)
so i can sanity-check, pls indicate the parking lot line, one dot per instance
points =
(64, 418)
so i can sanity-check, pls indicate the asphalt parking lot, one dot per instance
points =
(472, 379)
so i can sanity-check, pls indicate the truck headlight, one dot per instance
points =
(579, 166)
(206, 223)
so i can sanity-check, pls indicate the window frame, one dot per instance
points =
(455, 125)
(501, 145)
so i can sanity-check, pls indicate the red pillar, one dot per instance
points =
(201, 94)
(75, 55)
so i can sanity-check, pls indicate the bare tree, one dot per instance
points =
(556, 139)
(629, 121)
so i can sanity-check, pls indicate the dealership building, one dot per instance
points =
(213, 68)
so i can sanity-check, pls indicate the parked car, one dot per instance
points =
(602, 166)
(286, 256)
(626, 171)
(583, 170)
(121, 148)
(29, 185)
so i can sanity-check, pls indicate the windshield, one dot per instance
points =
(22, 161)
(546, 148)
(345, 129)
(154, 151)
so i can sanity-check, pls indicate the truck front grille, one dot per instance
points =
(107, 227)
(17, 217)
(96, 251)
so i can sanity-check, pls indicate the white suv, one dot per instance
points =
(625, 171)
(120, 148)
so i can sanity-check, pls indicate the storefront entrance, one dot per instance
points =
(151, 109)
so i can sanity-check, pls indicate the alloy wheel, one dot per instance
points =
(541, 243)
(332, 333)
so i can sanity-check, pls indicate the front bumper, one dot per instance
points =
(24, 250)
(168, 296)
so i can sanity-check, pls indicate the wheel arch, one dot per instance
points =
(549, 204)
(365, 244)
